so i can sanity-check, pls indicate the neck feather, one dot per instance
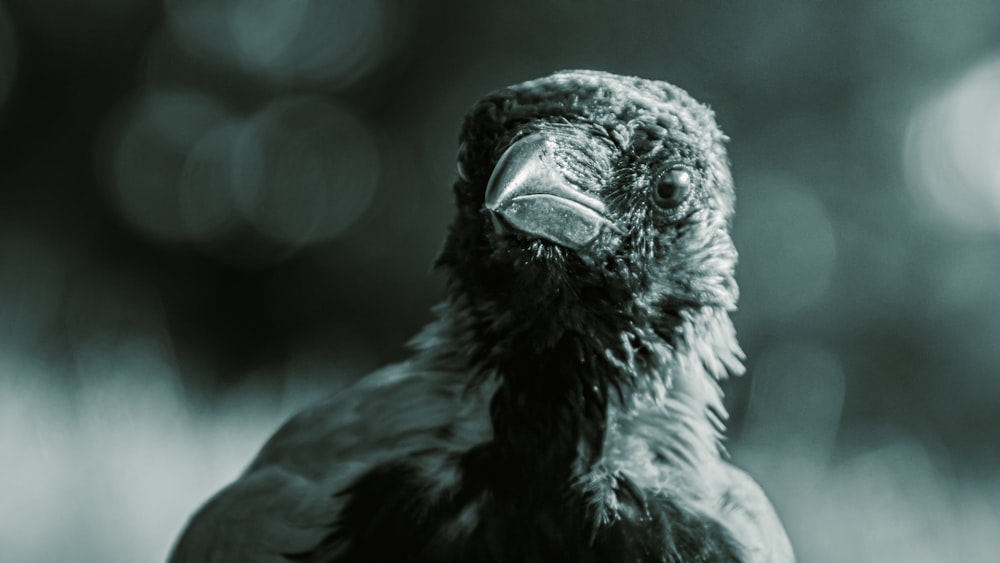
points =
(569, 401)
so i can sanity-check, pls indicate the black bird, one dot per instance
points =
(566, 403)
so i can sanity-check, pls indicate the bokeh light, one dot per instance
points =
(319, 43)
(8, 55)
(796, 402)
(787, 245)
(207, 184)
(305, 170)
(952, 151)
(150, 145)
(185, 168)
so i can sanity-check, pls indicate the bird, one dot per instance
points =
(566, 402)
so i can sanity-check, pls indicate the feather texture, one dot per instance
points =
(566, 405)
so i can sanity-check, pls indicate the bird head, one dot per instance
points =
(586, 196)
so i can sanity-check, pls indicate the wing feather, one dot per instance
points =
(287, 499)
(751, 518)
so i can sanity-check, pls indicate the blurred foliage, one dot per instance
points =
(211, 211)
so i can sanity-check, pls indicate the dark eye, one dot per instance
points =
(672, 188)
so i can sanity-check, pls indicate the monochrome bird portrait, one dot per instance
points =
(566, 403)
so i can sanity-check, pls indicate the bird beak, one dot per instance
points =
(527, 192)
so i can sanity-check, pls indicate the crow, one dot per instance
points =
(565, 404)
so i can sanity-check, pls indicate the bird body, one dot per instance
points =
(565, 405)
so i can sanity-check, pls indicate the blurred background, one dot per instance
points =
(215, 211)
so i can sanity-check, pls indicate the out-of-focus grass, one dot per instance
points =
(893, 503)
(109, 471)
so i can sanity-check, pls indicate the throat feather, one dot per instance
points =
(563, 407)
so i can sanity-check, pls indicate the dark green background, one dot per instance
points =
(870, 253)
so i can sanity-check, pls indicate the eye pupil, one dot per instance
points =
(673, 187)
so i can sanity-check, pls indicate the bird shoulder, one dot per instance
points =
(288, 497)
(751, 518)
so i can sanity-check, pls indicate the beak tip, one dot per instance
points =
(528, 193)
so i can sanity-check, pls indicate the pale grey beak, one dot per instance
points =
(527, 192)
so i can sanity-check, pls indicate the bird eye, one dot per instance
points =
(672, 188)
